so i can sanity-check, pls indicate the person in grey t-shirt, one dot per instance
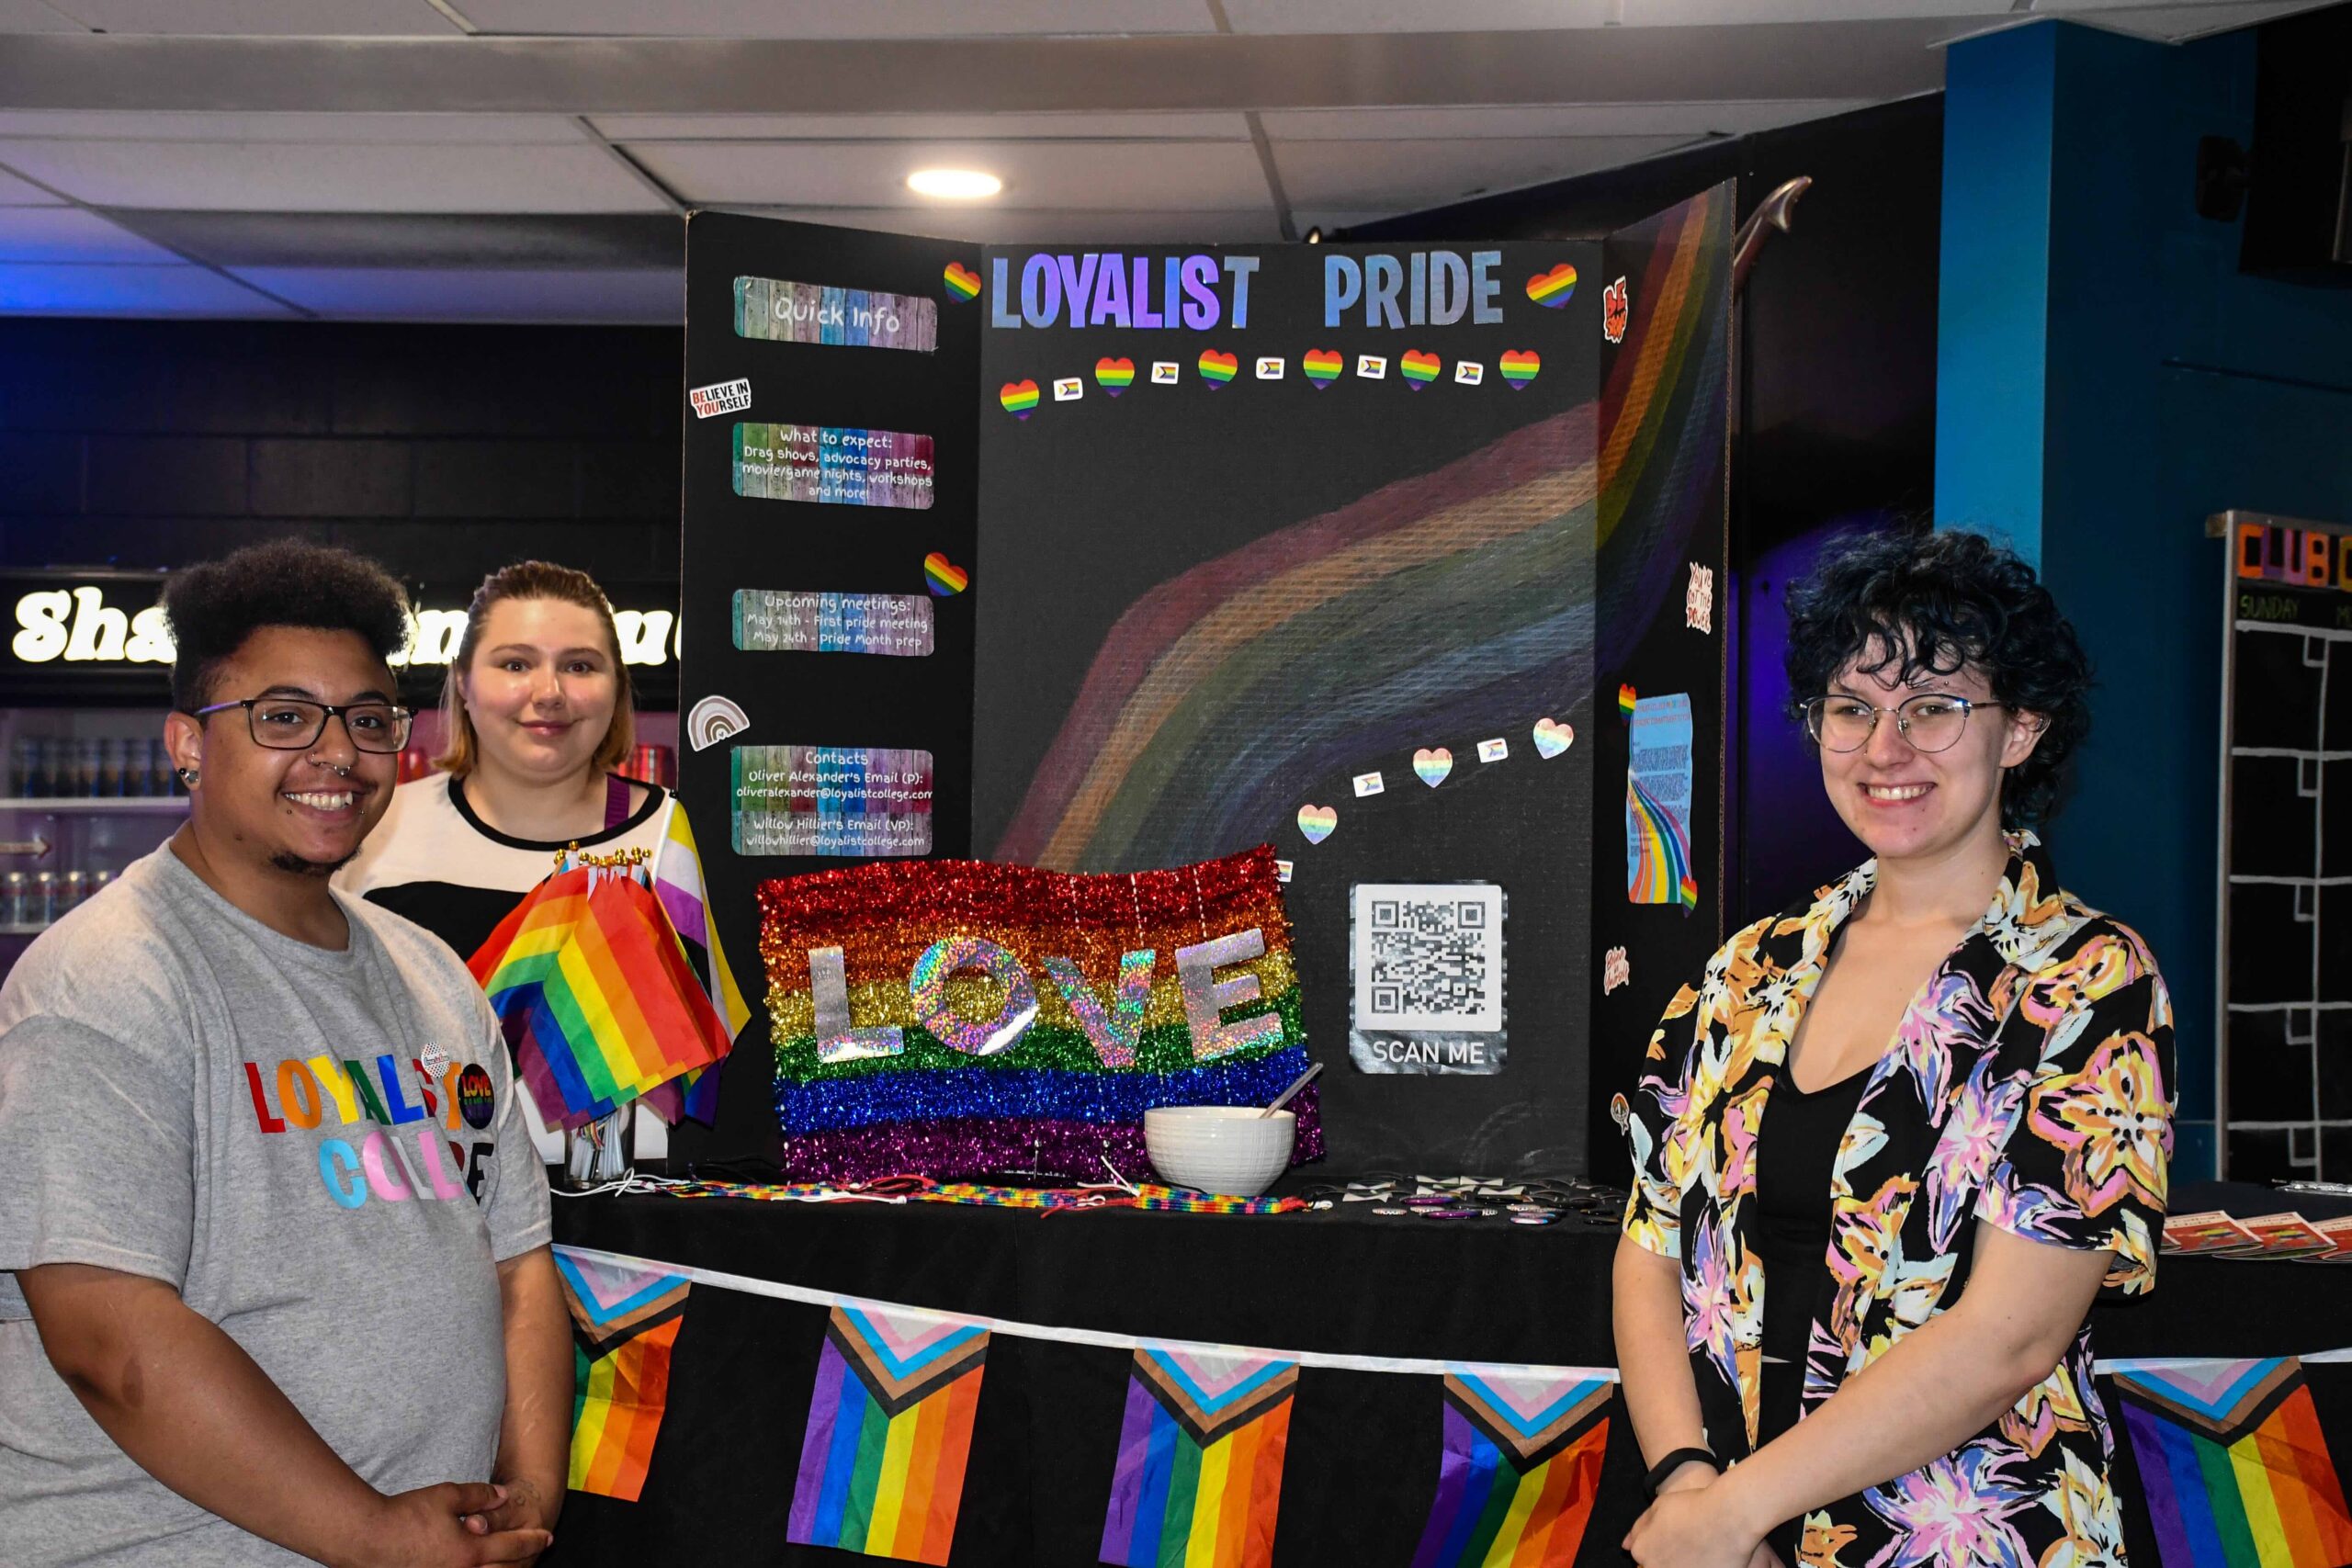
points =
(275, 1280)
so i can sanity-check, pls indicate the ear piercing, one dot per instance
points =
(187, 777)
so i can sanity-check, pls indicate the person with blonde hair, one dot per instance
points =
(537, 712)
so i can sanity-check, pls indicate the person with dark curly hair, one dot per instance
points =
(275, 1277)
(1898, 1137)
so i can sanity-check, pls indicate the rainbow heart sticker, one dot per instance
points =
(1114, 376)
(1417, 368)
(962, 281)
(1433, 763)
(1520, 365)
(1551, 289)
(1323, 366)
(945, 576)
(1216, 368)
(1626, 703)
(1019, 398)
(1317, 823)
(1551, 737)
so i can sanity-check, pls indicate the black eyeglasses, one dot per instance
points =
(1932, 721)
(290, 724)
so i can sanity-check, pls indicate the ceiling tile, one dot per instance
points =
(1245, 226)
(69, 234)
(2172, 22)
(1403, 175)
(1180, 176)
(393, 293)
(1207, 127)
(14, 192)
(832, 18)
(34, 17)
(288, 178)
(1484, 15)
(265, 18)
(1689, 120)
(36, 289)
(136, 125)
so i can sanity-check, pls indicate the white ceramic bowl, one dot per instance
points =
(1232, 1151)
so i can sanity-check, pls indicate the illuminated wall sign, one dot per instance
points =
(77, 625)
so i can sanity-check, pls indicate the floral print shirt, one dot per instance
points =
(2027, 1087)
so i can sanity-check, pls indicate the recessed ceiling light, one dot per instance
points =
(953, 184)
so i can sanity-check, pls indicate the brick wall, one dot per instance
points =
(443, 451)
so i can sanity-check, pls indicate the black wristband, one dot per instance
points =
(1664, 1468)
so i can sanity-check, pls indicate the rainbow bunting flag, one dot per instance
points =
(1658, 852)
(624, 1323)
(889, 1429)
(2235, 1467)
(593, 991)
(1520, 1468)
(1200, 1474)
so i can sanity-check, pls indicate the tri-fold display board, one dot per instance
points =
(1406, 561)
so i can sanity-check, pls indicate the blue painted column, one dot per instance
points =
(2062, 175)
(1991, 315)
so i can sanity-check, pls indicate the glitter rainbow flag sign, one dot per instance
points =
(624, 1323)
(1520, 1470)
(2234, 1466)
(953, 1019)
(890, 1432)
(1200, 1474)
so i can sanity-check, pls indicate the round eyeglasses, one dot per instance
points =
(291, 723)
(1932, 721)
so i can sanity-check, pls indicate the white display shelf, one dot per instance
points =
(77, 804)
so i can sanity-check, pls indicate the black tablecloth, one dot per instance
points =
(1363, 1446)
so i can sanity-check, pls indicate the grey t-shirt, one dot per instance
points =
(322, 1152)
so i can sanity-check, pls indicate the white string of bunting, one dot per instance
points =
(1416, 1366)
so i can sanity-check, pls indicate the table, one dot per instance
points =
(1363, 1446)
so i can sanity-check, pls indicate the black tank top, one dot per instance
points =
(1795, 1154)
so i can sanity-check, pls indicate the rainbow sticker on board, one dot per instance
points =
(1551, 289)
(943, 577)
(962, 281)
(1520, 366)
(1658, 852)
(1417, 368)
(1216, 368)
(1020, 398)
(1625, 700)
(1114, 376)
(1323, 367)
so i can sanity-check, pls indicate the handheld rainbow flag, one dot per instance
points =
(1520, 1468)
(677, 883)
(890, 1430)
(2234, 1466)
(624, 1323)
(595, 992)
(1200, 1474)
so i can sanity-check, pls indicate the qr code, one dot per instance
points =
(1428, 956)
